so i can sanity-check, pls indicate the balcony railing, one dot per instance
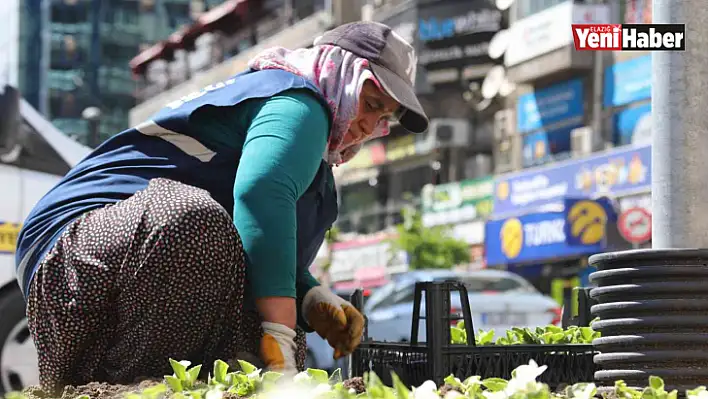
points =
(215, 48)
(374, 218)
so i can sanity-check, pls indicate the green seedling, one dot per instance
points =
(183, 378)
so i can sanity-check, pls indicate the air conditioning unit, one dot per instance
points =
(581, 141)
(448, 133)
(503, 124)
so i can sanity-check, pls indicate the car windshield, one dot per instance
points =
(379, 295)
(493, 284)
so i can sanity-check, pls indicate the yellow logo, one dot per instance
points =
(503, 190)
(512, 238)
(587, 222)
(8, 236)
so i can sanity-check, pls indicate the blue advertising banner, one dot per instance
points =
(628, 81)
(578, 230)
(542, 147)
(633, 125)
(618, 172)
(551, 105)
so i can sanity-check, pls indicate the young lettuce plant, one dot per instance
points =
(183, 378)
(697, 393)
(458, 335)
(154, 392)
(657, 390)
(517, 336)
(471, 387)
(311, 383)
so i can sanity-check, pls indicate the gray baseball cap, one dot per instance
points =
(393, 62)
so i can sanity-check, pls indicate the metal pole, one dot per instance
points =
(93, 132)
(680, 136)
(600, 137)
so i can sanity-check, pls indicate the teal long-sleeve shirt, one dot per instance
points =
(282, 140)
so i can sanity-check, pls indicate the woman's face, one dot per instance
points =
(374, 104)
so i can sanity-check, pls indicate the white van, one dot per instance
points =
(33, 157)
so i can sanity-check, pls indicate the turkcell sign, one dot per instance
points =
(629, 37)
(545, 233)
(618, 172)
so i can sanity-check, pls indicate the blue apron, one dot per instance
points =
(167, 146)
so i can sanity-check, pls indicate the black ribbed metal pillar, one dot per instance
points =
(653, 310)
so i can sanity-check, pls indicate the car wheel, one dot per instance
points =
(18, 356)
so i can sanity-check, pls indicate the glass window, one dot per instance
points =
(501, 284)
(378, 297)
(405, 295)
(70, 12)
(357, 196)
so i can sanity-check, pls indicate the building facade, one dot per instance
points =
(220, 43)
(521, 125)
(70, 55)
(575, 126)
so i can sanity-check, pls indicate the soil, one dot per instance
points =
(357, 383)
(94, 390)
(103, 390)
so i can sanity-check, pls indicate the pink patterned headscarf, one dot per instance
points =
(339, 75)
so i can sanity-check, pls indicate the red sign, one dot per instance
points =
(616, 37)
(635, 225)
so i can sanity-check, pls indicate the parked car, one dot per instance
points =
(498, 299)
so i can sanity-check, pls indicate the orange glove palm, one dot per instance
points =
(334, 319)
(278, 348)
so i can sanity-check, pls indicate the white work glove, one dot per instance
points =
(278, 348)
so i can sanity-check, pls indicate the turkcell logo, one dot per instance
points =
(544, 233)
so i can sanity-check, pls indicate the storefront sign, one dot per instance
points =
(577, 230)
(371, 154)
(557, 103)
(400, 148)
(457, 202)
(623, 171)
(548, 30)
(632, 201)
(633, 125)
(628, 81)
(456, 33)
(350, 256)
(8, 237)
(543, 146)
(471, 233)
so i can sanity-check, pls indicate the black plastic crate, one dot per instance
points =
(416, 362)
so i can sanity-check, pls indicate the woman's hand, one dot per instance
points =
(278, 348)
(334, 319)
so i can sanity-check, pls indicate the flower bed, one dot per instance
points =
(250, 382)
